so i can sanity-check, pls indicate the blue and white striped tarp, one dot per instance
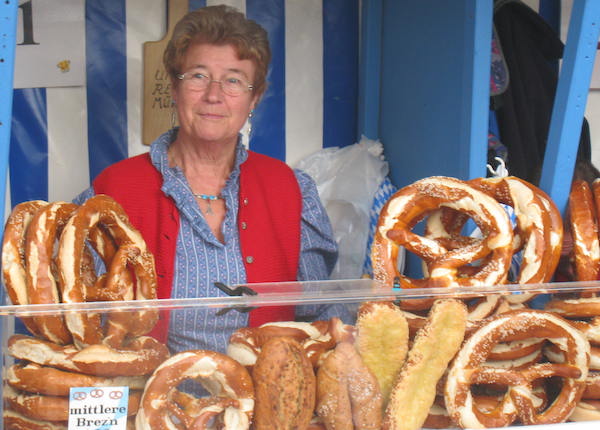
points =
(63, 137)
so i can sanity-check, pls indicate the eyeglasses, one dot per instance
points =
(231, 85)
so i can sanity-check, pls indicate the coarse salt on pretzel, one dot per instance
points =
(14, 272)
(469, 368)
(86, 328)
(230, 386)
(575, 308)
(515, 349)
(348, 394)
(411, 204)
(382, 341)
(139, 356)
(536, 215)
(40, 239)
(33, 378)
(434, 346)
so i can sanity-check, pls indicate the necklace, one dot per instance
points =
(208, 198)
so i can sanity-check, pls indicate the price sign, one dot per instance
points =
(98, 408)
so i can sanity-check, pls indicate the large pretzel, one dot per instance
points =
(42, 288)
(101, 211)
(34, 378)
(469, 368)
(584, 229)
(414, 202)
(539, 225)
(229, 383)
(13, 255)
(139, 356)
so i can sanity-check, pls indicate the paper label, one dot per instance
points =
(98, 408)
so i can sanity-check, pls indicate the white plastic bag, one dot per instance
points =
(347, 179)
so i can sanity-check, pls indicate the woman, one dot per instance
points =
(210, 210)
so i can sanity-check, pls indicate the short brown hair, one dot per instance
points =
(220, 25)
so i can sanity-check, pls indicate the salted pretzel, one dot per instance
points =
(16, 421)
(414, 202)
(575, 307)
(539, 225)
(139, 356)
(584, 229)
(230, 386)
(348, 394)
(33, 378)
(469, 368)
(316, 338)
(42, 288)
(13, 255)
(86, 328)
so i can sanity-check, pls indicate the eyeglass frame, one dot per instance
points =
(182, 77)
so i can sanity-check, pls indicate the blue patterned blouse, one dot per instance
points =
(201, 259)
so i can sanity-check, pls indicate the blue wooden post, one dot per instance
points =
(8, 32)
(370, 70)
(570, 101)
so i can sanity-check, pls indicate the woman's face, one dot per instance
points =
(210, 115)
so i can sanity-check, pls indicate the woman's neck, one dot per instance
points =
(206, 167)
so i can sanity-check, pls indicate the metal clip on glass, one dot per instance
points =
(238, 291)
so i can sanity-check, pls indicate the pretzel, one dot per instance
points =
(348, 394)
(556, 355)
(575, 308)
(230, 386)
(285, 386)
(411, 204)
(592, 386)
(86, 328)
(516, 349)
(539, 225)
(44, 230)
(140, 356)
(382, 341)
(316, 338)
(469, 368)
(13, 255)
(33, 378)
(584, 229)
(119, 325)
(16, 421)
(434, 346)
(586, 410)
(52, 408)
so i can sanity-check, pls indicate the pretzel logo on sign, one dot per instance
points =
(97, 393)
(79, 395)
(115, 394)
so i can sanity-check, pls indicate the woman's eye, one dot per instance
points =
(199, 76)
(233, 81)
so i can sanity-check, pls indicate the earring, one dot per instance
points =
(246, 130)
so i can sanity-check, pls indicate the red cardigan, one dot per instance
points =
(270, 205)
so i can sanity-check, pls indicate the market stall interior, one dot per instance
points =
(494, 329)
